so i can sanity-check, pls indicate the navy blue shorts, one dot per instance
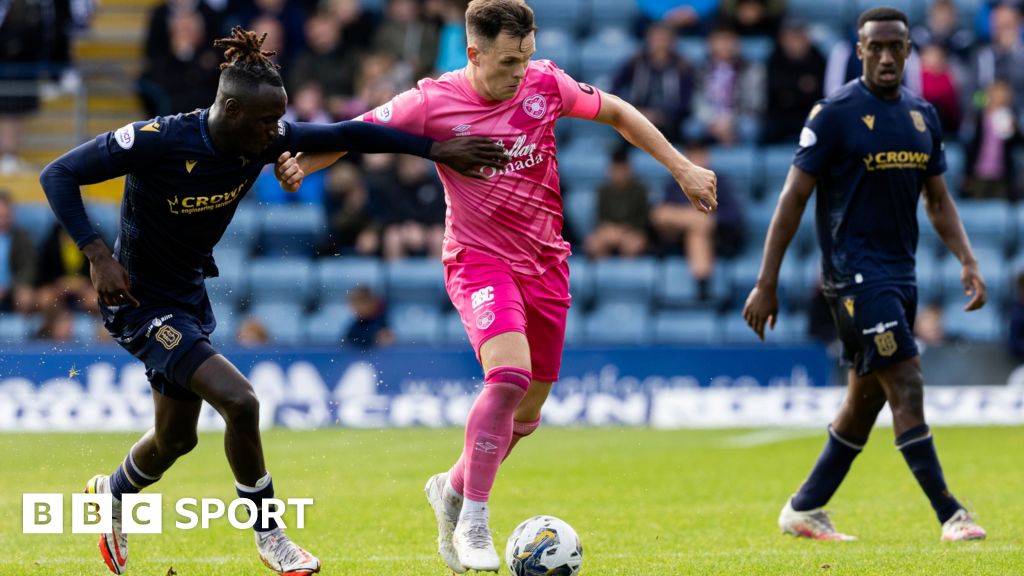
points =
(170, 342)
(876, 326)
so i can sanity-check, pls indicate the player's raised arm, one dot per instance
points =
(103, 158)
(945, 219)
(699, 184)
(762, 306)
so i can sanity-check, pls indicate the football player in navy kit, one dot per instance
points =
(185, 177)
(870, 149)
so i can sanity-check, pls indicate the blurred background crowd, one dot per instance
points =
(352, 258)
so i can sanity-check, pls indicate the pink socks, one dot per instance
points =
(489, 432)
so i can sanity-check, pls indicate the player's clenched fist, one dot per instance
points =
(288, 172)
(701, 186)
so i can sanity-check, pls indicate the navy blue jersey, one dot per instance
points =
(871, 157)
(181, 192)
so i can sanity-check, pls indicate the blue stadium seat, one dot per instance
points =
(582, 164)
(565, 14)
(987, 222)
(777, 160)
(242, 232)
(738, 165)
(693, 48)
(955, 164)
(603, 53)
(557, 45)
(596, 138)
(650, 172)
(415, 281)
(983, 325)
(685, 326)
(336, 277)
(231, 286)
(806, 239)
(581, 210)
(454, 331)
(328, 324)
(929, 283)
(106, 217)
(581, 281)
(993, 269)
(277, 279)
(607, 13)
(14, 328)
(84, 329)
(833, 12)
(791, 328)
(914, 9)
(574, 326)
(928, 239)
(757, 48)
(796, 282)
(291, 229)
(283, 320)
(37, 218)
(677, 287)
(625, 280)
(736, 331)
(416, 324)
(227, 326)
(618, 323)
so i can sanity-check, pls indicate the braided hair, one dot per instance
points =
(247, 66)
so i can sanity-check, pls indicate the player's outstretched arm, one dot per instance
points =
(699, 184)
(762, 306)
(946, 220)
(61, 180)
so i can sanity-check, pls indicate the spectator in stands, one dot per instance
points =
(943, 28)
(675, 221)
(286, 38)
(728, 89)
(158, 32)
(991, 170)
(182, 76)
(22, 52)
(379, 79)
(1003, 59)
(409, 204)
(350, 226)
(357, 25)
(58, 324)
(17, 261)
(1017, 320)
(939, 86)
(796, 76)
(753, 17)
(929, 329)
(409, 38)
(62, 276)
(621, 212)
(689, 15)
(451, 49)
(370, 327)
(658, 81)
(252, 333)
(325, 64)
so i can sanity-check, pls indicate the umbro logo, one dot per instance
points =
(462, 129)
(486, 447)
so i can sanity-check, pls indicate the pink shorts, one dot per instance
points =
(493, 299)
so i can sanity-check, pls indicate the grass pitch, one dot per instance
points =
(644, 502)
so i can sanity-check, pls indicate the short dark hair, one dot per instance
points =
(487, 19)
(882, 14)
(247, 65)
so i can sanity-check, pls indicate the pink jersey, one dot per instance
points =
(516, 214)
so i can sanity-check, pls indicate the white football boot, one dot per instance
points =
(961, 526)
(475, 547)
(814, 524)
(446, 510)
(283, 556)
(113, 545)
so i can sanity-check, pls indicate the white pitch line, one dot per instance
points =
(768, 436)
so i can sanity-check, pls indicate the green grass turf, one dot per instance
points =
(644, 502)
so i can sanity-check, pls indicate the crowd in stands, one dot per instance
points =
(729, 81)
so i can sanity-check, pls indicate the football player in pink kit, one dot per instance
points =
(504, 256)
